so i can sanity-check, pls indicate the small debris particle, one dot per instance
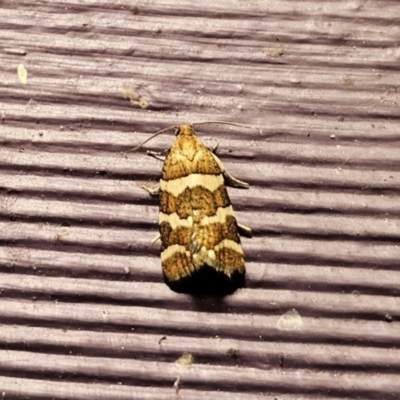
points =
(275, 52)
(22, 74)
(177, 384)
(233, 352)
(388, 318)
(135, 10)
(185, 360)
(15, 51)
(290, 321)
(347, 81)
(127, 91)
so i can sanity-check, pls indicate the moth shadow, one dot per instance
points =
(208, 287)
(209, 303)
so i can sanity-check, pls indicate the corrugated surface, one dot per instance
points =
(84, 313)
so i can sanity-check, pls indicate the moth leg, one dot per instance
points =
(157, 154)
(244, 230)
(158, 237)
(153, 191)
(214, 149)
(231, 179)
(234, 181)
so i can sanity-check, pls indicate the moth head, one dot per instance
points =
(184, 130)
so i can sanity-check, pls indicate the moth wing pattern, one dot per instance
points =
(200, 245)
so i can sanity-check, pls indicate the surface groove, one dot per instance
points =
(84, 312)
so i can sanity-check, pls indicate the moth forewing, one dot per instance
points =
(200, 243)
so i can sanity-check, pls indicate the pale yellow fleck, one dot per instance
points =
(22, 74)
(185, 360)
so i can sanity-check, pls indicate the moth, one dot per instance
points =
(201, 251)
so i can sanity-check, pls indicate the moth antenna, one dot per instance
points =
(151, 137)
(228, 123)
